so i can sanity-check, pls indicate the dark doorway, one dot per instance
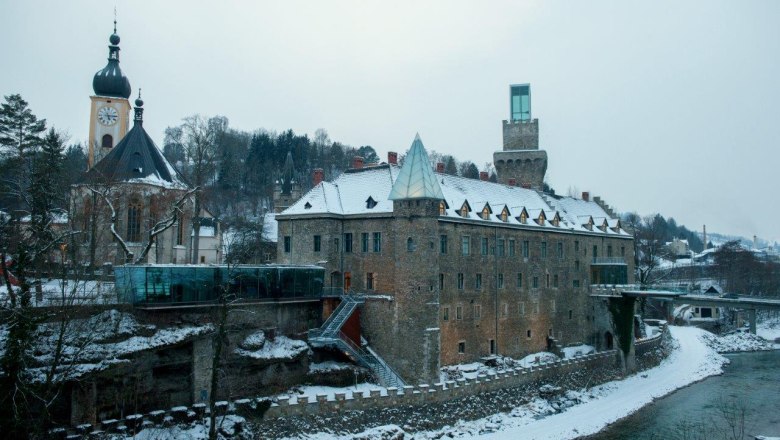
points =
(608, 340)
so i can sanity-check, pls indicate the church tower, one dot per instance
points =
(109, 117)
(286, 190)
(521, 160)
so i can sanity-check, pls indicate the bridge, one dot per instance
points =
(671, 297)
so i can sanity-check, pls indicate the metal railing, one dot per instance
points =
(609, 261)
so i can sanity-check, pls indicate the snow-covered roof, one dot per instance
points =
(416, 179)
(348, 195)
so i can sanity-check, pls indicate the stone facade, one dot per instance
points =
(411, 313)
(521, 159)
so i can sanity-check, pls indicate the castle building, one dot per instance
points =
(131, 185)
(454, 269)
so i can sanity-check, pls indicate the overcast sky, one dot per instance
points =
(670, 107)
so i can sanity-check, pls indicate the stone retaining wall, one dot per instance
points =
(322, 405)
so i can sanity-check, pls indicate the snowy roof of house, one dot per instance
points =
(136, 159)
(416, 179)
(348, 194)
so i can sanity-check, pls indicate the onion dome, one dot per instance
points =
(110, 81)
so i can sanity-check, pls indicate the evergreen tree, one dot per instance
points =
(450, 166)
(20, 133)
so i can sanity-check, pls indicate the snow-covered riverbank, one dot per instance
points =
(591, 410)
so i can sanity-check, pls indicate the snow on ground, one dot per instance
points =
(256, 346)
(580, 413)
(73, 292)
(578, 350)
(312, 391)
(494, 364)
(197, 431)
(736, 342)
(324, 367)
(770, 330)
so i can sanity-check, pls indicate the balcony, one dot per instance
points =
(608, 261)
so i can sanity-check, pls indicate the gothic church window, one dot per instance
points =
(134, 221)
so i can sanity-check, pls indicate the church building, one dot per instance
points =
(131, 188)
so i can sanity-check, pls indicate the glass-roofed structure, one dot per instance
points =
(194, 284)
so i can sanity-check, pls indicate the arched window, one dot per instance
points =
(485, 213)
(410, 245)
(107, 141)
(442, 208)
(134, 212)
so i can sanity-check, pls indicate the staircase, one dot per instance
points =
(330, 335)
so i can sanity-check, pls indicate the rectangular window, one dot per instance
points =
(179, 231)
(364, 242)
(348, 242)
(576, 246)
(622, 251)
(526, 249)
(555, 280)
(443, 244)
(287, 244)
(528, 334)
(560, 250)
(543, 250)
(552, 305)
(478, 281)
(536, 307)
(511, 248)
(377, 242)
(492, 346)
(504, 310)
(462, 347)
(317, 243)
(477, 311)
(500, 281)
(570, 314)
(595, 251)
(535, 284)
(445, 314)
(465, 245)
(370, 280)
(441, 281)
(547, 280)
(459, 312)
(575, 283)
(484, 247)
(519, 280)
(500, 247)
(577, 265)
(521, 308)
(609, 251)
(460, 281)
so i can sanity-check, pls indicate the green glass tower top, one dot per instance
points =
(520, 102)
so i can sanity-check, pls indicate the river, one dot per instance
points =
(750, 382)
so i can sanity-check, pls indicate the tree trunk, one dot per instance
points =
(196, 229)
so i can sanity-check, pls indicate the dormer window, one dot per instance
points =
(307, 205)
(505, 214)
(442, 208)
(485, 213)
(604, 226)
(556, 221)
(465, 209)
(540, 220)
(523, 217)
(138, 165)
(370, 202)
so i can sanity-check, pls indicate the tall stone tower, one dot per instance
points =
(521, 158)
(286, 190)
(109, 118)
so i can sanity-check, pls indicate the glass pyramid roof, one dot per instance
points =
(416, 179)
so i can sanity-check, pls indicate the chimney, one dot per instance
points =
(526, 185)
(392, 158)
(483, 175)
(317, 176)
(357, 162)
(440, 167)
(512, 182)
(586, 196)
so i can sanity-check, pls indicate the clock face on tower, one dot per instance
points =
(107, 115)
